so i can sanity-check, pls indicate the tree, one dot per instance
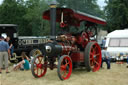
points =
(27, 14)
(12, 12)
(87, 6)
(35, 9)
(117, 14)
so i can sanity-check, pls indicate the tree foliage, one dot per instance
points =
(116, 14)
(35, 9)
(12, 12)
(27, 14)
(87, 6)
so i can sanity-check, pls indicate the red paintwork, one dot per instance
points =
(84, 17)
(40, 66)
(77, 57)
(95, 62)
(66, 67)
(72, 17)
(72, 46)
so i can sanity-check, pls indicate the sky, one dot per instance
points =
(100, 3)
(1, 1)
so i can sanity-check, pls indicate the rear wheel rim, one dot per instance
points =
(95, 57)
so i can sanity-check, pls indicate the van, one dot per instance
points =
(117, 44)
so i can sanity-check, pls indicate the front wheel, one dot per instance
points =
(38, 66)
(64, 68)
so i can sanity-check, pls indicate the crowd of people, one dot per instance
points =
(6, 51)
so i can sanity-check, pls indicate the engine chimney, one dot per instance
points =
(53, 19)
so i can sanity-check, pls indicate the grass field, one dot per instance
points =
(117, 75)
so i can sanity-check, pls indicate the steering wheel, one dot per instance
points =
(91, 32)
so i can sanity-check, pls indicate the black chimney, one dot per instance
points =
(53, 19)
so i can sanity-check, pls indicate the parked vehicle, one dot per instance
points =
(117, 44)
(29, 44)
(67, 49)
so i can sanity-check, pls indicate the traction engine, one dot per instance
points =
(68, 51)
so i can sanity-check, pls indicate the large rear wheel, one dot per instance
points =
(64, 68)
(92, 56)
(38, 66)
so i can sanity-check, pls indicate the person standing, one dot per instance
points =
(127, 61)
(105, 58)
(11, 47)
(103, 42)
(4, 54)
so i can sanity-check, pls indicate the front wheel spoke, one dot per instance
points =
(62, 67)
(61, 71)
(67, 62)
(40, 59)
(65, 73)
(41, 71)
(42, 67)
(37, 70)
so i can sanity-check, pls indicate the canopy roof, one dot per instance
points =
(73, 18)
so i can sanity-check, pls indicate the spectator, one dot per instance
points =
(4, 54)
(103, 42)
(11, 47)
(105, 57)
(127, 60)
(24, 64)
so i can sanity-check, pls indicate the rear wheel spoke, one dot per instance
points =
(96, 62)
(97, 54)
(91, 53)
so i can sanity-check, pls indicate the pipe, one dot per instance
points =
(53, 20)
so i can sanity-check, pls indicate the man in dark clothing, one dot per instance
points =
(4, 54)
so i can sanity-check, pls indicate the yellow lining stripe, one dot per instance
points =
(52, 6)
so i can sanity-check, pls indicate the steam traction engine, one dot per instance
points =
(68, 51)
